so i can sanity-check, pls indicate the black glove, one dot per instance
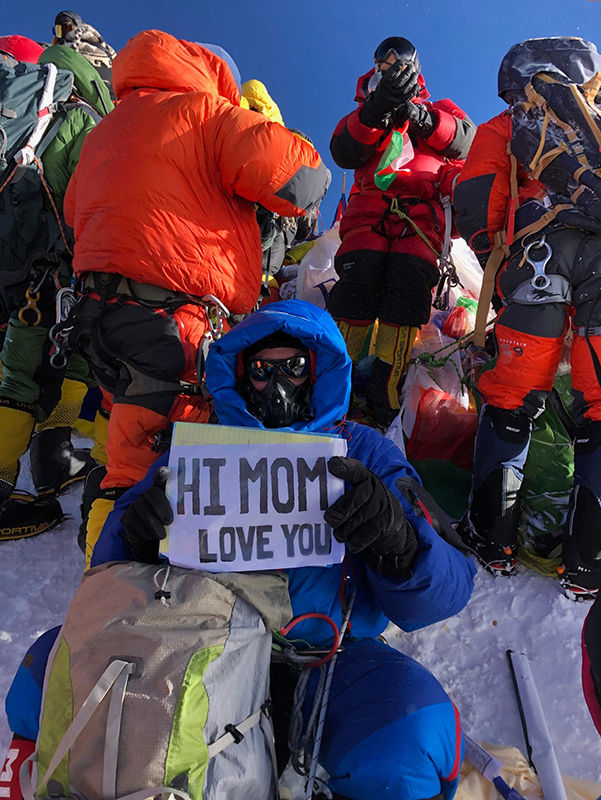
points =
(397, 86)
(369, 518)
(144, 521)
(421, 121)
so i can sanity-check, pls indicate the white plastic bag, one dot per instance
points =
(316, 274)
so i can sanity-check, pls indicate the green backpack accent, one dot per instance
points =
(30, 117)
(548, 479)
(161, 692)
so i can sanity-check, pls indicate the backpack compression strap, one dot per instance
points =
(114, 677)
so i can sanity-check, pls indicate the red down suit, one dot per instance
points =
(391, 239)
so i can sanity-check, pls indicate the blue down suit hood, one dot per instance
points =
(317, 330)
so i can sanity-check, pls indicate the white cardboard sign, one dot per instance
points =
(239, 508)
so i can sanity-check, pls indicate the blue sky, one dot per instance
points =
(309, 54)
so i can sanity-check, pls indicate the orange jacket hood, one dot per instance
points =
(157, 60)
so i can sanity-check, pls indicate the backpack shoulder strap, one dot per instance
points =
(87, 108)
(51, 133)
(495, 259)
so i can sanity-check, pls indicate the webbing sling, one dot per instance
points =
(495, 259)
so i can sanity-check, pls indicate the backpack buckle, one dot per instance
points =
(236, 735)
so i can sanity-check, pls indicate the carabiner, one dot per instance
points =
(540, 279)
(216, 312)
(448, 278)
(65, 301)
(58, 359)
(32, 296)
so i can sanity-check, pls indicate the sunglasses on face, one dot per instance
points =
(261, 369)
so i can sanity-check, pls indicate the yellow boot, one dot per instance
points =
(96, 505)
(355, 335)
(99, 511)
(393, 347)
(67, 409)
(16, 427)
(101, 428)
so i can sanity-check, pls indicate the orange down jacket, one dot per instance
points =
(164, 190)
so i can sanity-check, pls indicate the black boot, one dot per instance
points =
(55, 464)
(23, 515)
(490, 527)
(580, 573)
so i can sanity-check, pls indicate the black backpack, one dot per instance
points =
(31, 114)
(556, 128)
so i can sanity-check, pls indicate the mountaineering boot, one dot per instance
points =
(355, 334)
(55, 463)
(22, 515)
(394, 344)
(490, 528)
(96, 504)
(16, 427)
(91, 491)
(580, 572)
(101, 426)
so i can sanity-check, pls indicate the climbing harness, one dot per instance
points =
(540, 279)
(396, 209)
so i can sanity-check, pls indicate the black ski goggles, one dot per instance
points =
(61, 29)
(383, 55)
(261, 369)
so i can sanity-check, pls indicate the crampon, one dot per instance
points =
(572, 586)
(497, 559)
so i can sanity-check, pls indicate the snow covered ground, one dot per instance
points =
(466, 653)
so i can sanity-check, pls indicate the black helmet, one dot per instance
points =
(64, 17)
(404, 50)
(568, 58)
(64, 22)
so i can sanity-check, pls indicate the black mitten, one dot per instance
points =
(397, 86)
(369, 518)
(144, 521)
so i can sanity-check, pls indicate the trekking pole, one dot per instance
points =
(489, 767)
(324, 702)
(541, 754)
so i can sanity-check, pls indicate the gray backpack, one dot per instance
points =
(158, 683)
